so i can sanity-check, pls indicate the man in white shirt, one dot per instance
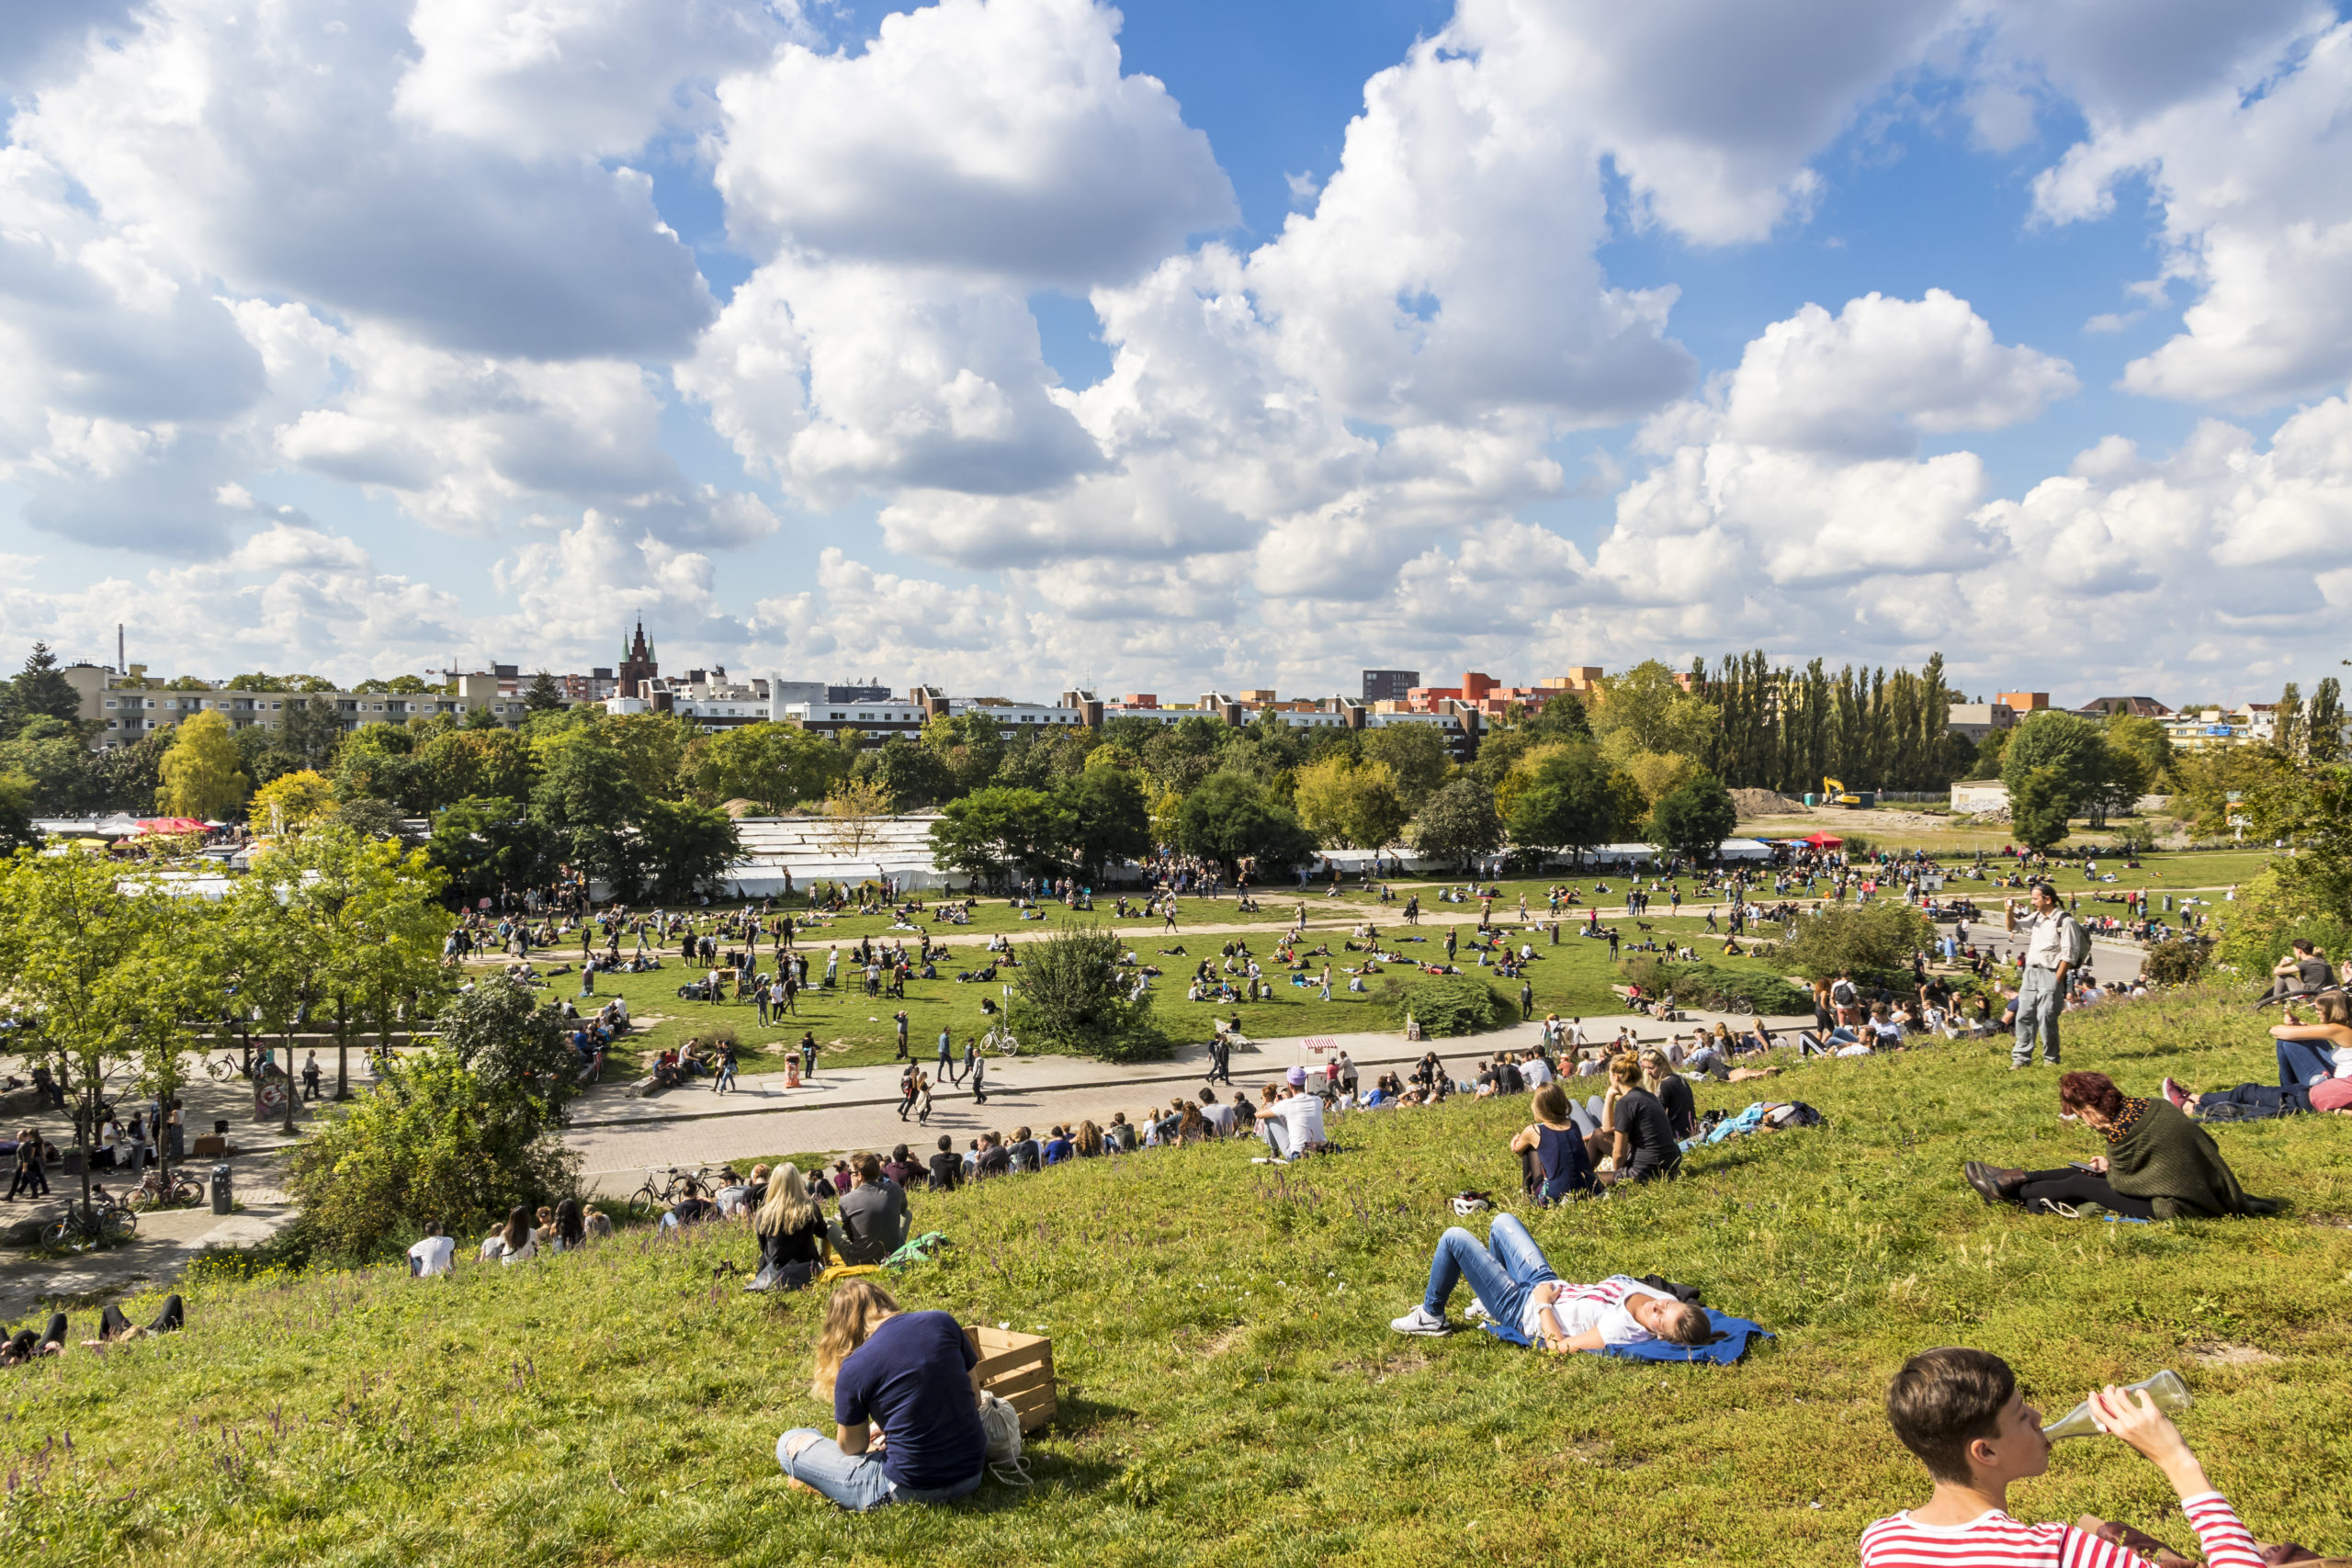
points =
(1294, 1125)
(433, 1254)
(2049, 955)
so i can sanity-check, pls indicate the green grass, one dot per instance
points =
(1572, 979)
(1231, 1391)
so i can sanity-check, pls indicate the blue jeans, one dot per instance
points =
(2303, 1063)
(855, 1481)
(2038, 1001)
(1502, 1270)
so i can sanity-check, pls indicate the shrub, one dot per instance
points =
(1715, 989)
(1858, 939)
(1069, 995)
(1446, 1006)
(2178, 962)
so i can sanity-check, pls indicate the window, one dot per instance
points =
(110, 702)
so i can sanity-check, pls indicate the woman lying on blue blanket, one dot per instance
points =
(1529, 1304)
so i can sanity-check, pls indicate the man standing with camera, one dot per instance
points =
(2056, 946)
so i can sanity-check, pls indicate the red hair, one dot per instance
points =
(2091, 1091)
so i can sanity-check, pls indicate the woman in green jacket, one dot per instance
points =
(2159, 1165)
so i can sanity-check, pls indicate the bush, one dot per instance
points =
(2178, 962)
(1716, 989)
(1857, 939)
(1447, 1005)
(1069, 995)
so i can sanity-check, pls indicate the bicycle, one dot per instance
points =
(104, 1219)
(155, 1192)
(663, 1186)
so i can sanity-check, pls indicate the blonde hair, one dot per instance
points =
(1625, 1070)
(788, 1207)
(857, 1307)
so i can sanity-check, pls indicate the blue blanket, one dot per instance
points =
(1734, 1337)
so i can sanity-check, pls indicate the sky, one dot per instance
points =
(1008, 344)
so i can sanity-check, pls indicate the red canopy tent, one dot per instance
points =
(170, 825)
(1826, 841)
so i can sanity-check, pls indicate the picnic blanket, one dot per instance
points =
(1734, 1337)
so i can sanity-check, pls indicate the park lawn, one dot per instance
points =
(1572, 979)
(1230, 1393)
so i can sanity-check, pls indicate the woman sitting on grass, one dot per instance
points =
(791, 1226)
(1529, 1304)
(2159, 1165)
(2314, 1072)
(1553, 1155)
(908, 1373)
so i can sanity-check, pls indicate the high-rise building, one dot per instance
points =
(1389, 685)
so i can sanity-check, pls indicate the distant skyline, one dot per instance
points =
(1007, 343)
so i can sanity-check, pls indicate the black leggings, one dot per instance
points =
(2076, 1188)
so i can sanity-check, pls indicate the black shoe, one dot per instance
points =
(1992, 1183)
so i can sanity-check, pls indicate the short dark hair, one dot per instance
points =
(2091, 1091)
(869, 1168)
(946, 1143)
(1944, 1400)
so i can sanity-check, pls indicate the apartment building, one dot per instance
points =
(124, 706)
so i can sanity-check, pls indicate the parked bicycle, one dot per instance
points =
(663, 1187)
(105, 1218)
(156, 1192)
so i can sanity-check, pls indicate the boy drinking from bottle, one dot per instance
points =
(1960, 1412)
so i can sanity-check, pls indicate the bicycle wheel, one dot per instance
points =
(54, 1233)
(644, 1202)
(119, 1222)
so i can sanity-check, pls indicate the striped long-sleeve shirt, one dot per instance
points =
(1995, 1540)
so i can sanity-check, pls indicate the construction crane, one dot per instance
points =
(1835, 794)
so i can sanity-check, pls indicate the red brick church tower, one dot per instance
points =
(636, 665)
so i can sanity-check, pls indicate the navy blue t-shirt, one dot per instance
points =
(913, 1376)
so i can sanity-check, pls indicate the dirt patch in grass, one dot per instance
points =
(2216, 1353)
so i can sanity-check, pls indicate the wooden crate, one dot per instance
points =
(1018, 1369)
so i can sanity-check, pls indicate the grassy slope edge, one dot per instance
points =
(1232, 1393)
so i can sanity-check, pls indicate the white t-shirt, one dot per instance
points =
(432, 1255)
(1581, 1308)
(1302, 1114)
(1536, 1072)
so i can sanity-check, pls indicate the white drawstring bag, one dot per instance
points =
(1001, 1423)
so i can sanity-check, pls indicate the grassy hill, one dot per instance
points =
(1232, 1391)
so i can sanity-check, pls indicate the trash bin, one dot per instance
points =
(222, 1199)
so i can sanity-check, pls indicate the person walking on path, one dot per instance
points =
(923, 1092)
(1526, 1000)
(971, 1057)
(311, 1076)
(723, 1081)
(980, 1068)
(2054, 945)
(907, 1088)
(946, 1060)
(1220, 1060)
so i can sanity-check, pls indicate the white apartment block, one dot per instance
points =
(126, 706)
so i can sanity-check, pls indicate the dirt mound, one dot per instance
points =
(1764, 803)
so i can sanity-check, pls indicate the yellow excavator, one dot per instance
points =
(1835, 794)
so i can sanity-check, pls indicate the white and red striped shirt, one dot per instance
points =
(1994, 1540)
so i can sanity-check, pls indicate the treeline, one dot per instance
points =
(1785, 728)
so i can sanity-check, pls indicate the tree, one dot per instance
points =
(544, 696)
(2144, 738)
(1108, 818)
(1568, 800)
(311, 732)
(2324, 723)
(291, 802)
(2287, 722)
(1651, 710)
(1231, 819)
(462, 1131)
(1343, 802)
(2040, 803)
(102, 967)
(991, 829)
(125, 778)
(41, 690)
(1416, 754)
(2072, 747)
(1693, 818)
(486, 846)
(63, 772)
(16, 830)
(915, 775)
(1069, 994)
(468, 764)
(853, 813)
(2122, 778)
(379, 760)
(1459, 822)
(587, 798)
(1857, 939)
(685, 848)
(773, 766)
(199, 772)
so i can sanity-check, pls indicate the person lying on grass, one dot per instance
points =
(1517, 1289)
(2159, 1165)
(910, 1373)
(1960, 1412)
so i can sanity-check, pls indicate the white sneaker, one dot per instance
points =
(1421, 1320)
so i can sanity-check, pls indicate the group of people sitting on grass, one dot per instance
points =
(114, 1328)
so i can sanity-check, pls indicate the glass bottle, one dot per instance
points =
(2164, 1391)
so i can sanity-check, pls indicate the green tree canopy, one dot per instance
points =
(995, 829)
(1107, 818)
(201, 775)
(1693, 818)
(1071, 995)
(1459, 822)
(2070, 746)
(1231, 819)
(1652, 713)
(2040, 803)
(1857, 939)
(1416, 753)
(1571, 801)
(773, 766)
(544, 696)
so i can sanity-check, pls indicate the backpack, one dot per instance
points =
(2078, 942)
